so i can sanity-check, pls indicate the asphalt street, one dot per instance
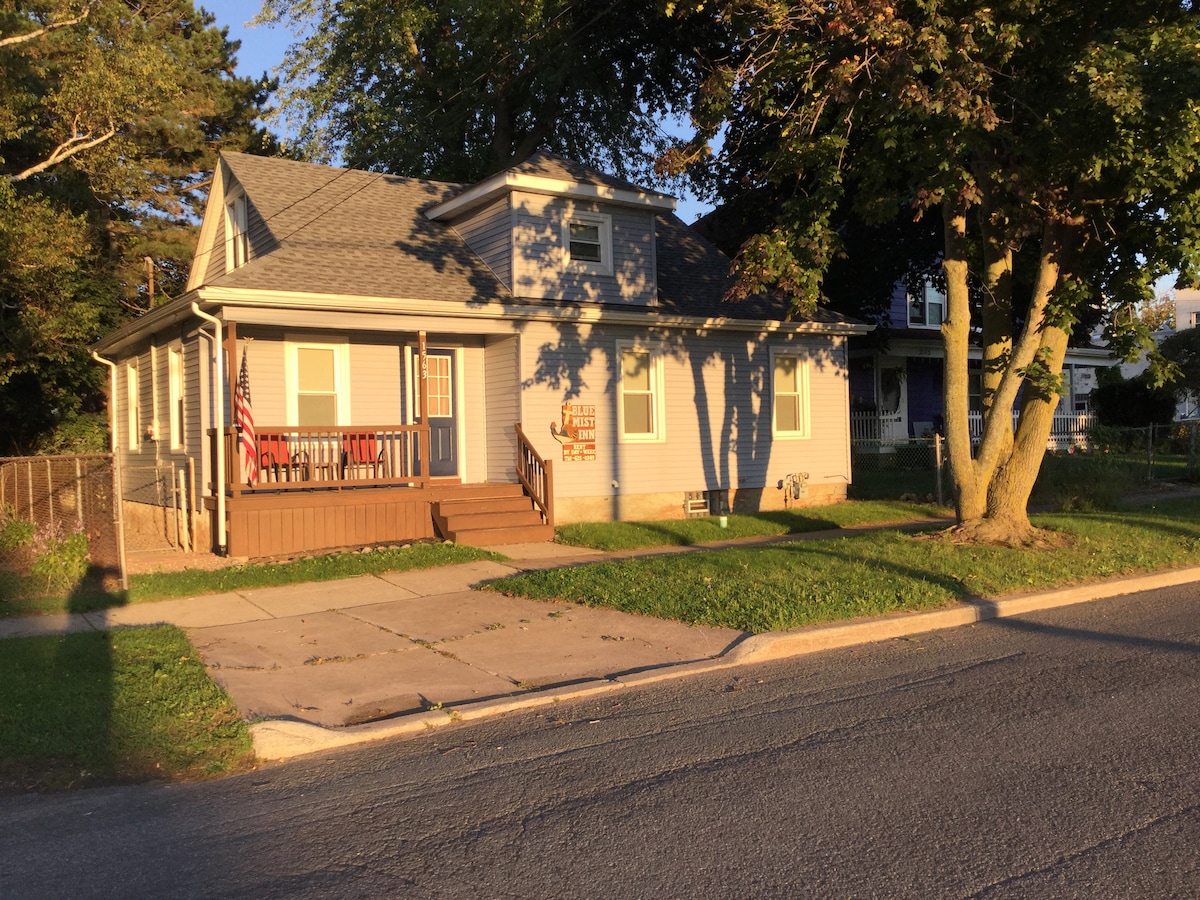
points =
(1050, 755)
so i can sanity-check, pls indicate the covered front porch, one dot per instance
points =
(294, 491)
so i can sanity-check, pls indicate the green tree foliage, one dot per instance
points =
(111, 116)
(1182, 349)
(1059, 138)
(459, 89)
(1133, 403)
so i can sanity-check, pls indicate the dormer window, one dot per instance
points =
(237, 237)
(927, 309)
(588, 241)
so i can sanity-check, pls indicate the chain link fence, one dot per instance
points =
(60, 527)
(889, 469)
(1097, 470)
(162, 508)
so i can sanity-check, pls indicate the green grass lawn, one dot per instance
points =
(194, 582)
(689, 532)
(133, 704)
(806, 582)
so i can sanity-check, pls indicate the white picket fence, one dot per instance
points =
(1070, 429)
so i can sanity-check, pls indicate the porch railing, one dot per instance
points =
(289, 458)
(871, 426)
(1069, 429)
(537, 476)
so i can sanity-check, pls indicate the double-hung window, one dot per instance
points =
(318, 381)
(175, 395)
(641, 394)
(928, 308)
(587, 238)
(237, 237)
(789, 383)
(132, 401)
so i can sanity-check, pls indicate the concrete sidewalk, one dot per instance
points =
(328, 664)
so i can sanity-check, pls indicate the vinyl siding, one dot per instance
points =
(716, 405)
(540, 265)
(488, 232)
(258, 236)
(472, 423)
(375, 381)
(501, 380)
(161, 403)
(266, 369)
(214, 266)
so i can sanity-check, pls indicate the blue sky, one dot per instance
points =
(263, 50)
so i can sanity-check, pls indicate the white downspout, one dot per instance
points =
(219, 413)
(118, 481)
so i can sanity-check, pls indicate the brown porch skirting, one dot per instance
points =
(287, 523)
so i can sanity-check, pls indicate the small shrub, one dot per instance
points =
(62, 559)
(14, 532)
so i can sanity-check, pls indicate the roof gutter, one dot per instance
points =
(457, 309)
(118, 481)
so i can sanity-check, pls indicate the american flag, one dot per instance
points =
(244, 420)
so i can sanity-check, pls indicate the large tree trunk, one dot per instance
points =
(970, 496)
(999, 480)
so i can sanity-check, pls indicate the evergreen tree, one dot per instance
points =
(111, 117)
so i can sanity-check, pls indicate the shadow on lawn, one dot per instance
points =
(58, 699)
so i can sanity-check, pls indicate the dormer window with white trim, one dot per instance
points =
(587, 238)
(927, 309)
(237, 236)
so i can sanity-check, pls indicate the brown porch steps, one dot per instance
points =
(490, 514)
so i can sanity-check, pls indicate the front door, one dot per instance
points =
(443, 433)
(892, 397)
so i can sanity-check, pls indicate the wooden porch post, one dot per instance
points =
(235, 481)
(423, 393)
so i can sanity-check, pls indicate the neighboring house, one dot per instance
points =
(564, 331)
(1187, 315)
(896, 394)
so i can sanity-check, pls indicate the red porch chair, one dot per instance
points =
(360, 458)
(275, 459)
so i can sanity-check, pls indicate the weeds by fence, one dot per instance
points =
(59, 525)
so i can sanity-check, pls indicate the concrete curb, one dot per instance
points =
(278, 740)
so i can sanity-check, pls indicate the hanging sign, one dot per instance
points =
(577, 432)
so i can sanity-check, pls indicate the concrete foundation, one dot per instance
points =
(670, 504)
(149, 526)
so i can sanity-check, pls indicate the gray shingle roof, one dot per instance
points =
(320, 229)
(344, 231)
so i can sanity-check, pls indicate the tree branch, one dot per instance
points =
(66, 150)
(41, 32)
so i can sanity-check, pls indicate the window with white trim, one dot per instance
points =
(928, 309)
(175, 395)
(789, 384)
(132, 401)
(587, 238)
(640, 394)
(237, 237)
(318, 385)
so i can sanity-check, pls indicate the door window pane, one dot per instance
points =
(439, 387)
